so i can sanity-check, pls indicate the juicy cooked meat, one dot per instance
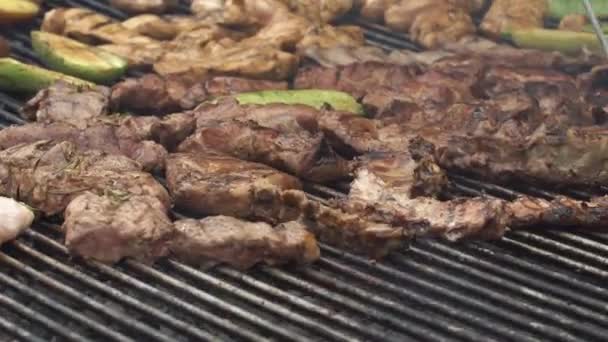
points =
(115, 135)
(90, 27)
(63, 102)
(574, 156)
(302, 153)
(253, 60)
(111, 227)
(328, 36)
(355, 79)
(373, 10)
(220, 185)
(144, 6)
(16, 217)
(345, 55)
(432, 23)
(177, 93)
(282, 136)
(513, 14)
(243, 244)
(560, 212)
(48, 175)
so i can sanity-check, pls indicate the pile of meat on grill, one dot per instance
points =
(124, 183)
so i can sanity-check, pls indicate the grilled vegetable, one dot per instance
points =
(17, 10)
(561, 8)
(568, 42)
(311, 97)
(77, 59)
(20, 77)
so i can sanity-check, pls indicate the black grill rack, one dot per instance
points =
(529, 286)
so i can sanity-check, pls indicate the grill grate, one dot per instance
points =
(528, 286)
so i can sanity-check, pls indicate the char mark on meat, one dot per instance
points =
(173, 93)
(48, 175)
(64, 102)
(126, 136)
(243, 244)
(221, 185)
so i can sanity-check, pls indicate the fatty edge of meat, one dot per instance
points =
(14, 218)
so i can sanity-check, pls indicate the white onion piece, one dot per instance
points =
(14, 218)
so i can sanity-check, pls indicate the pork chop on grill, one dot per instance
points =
(115, 135)
(64, 102)
(48, 175)
(221, 185)
(113, 226)
(243, 244)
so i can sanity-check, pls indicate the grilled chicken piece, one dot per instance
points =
(221, 185)
(128, 136)
(243, 244)
(506, 15)
(16, 217)
(239, 13)
(330, 36)
(47, 175)
(441, 25)
(373, 10)
(90, 27)
(560, 212)
(173, 93)
(144, 6)
(138, 55)
(322, 11)
(4, 47)
(111, 227)
(153, 26)
(64, 102)
(253, 60)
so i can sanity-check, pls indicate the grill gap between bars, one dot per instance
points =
(528, 286)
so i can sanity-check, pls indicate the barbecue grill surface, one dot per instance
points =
(534, 285)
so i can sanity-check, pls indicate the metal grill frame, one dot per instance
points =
(529, 286)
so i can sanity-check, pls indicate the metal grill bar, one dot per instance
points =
(529, 286)
(66, 311)
(55, 285)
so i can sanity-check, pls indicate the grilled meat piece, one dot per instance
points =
(90, 27)
(126, 136)
(282, 136)
(432, 23)
(16, 217)
(326, 37)
(154, 26)
(560, 212)
(176, 93)
(574, 156)
(373, 10)
(221, 185)
(64, 102)
(506, 15)
(344, 55)
(302, 153)
(109, 228)
(144, 6)
(453, 220)
(252, 59)
(243, 244)
(356, 79)
(48, 175)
